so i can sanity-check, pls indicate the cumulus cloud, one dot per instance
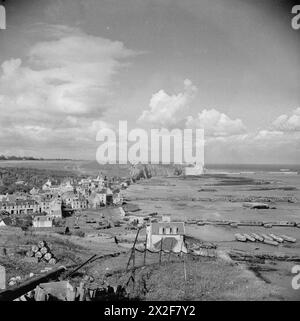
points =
(167, 110)
(288, 123)
(60, 88)
(216, 123)
(172, 110)
(227, 139)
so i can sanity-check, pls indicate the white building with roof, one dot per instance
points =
(166, 235)
(42, 221)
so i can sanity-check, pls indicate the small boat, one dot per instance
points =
(234, 224)
(257, 237)
(270, 242)
(266, 237)
(256, 205)
(200, 223)
(276, 238)
(239, 237)
(249, 237)
(288, 238)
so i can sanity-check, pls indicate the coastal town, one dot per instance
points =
(78, 210)
(82, 237)
(52, 201)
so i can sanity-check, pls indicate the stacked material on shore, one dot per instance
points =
(42, 253)
(240, 255)
(244, 223)
(270, 239)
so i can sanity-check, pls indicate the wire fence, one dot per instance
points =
(158, 256)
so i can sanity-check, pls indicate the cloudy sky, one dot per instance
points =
(69, 68)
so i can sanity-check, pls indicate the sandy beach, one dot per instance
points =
(221, 197)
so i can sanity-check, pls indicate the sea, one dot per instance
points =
(256, 168)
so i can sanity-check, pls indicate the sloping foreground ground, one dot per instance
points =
(204, 279)
(199, 279)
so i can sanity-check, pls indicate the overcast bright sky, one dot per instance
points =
(71, 67)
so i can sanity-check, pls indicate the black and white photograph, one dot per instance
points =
(149, 152)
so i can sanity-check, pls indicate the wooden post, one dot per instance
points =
(161, 249)
(133, 257)
(145, 251)
(170, 251)
(184, 267)
(133, 249)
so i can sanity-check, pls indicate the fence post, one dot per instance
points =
(133, 250)
(145, 251)
(170, 251)
(133, 257)
(184, 267)
(161, 249)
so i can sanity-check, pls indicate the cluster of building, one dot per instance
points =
(51, 201)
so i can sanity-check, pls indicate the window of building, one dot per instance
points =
(161, 230)
(175, 230)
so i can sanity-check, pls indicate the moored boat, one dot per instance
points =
(270, 242)
(249, 237)
(276, 238)
(288, 238)
(257, 237)
(239, 237)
